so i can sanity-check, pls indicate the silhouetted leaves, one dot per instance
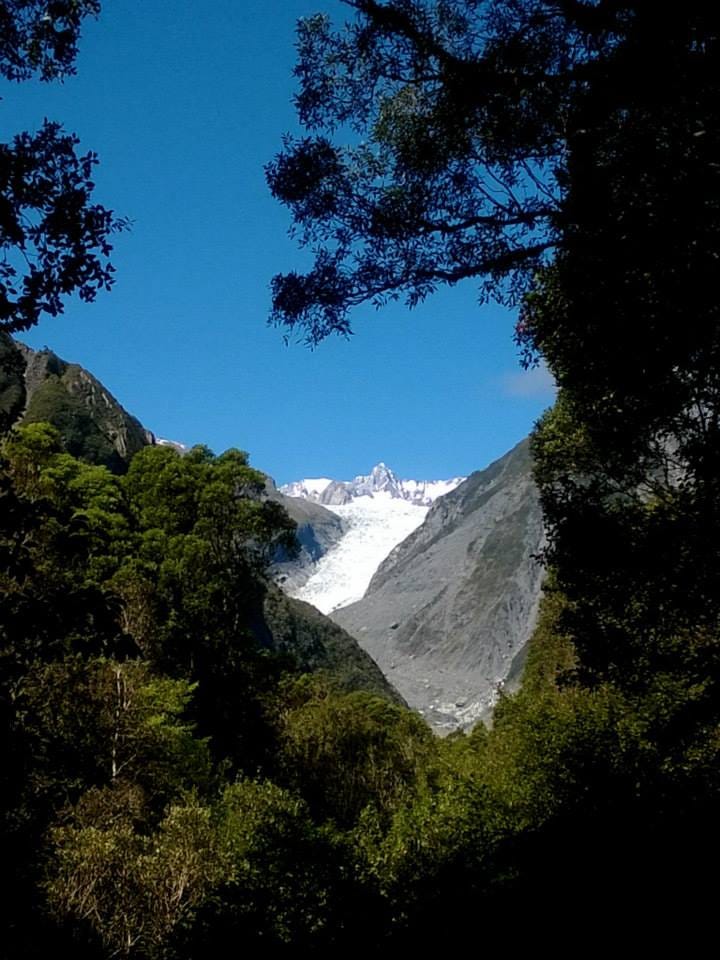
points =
(54, 240)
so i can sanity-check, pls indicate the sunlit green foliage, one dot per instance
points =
(102, 722)
(277, 882)
(346, 752)
(131, 887)
(111, 616)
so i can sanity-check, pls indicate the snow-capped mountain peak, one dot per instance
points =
(380, 481)
(310, 489)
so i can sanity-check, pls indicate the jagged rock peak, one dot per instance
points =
(381, 480)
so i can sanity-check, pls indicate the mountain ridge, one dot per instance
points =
(381, 480)
(37, 385)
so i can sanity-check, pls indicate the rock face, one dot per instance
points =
(318, 531)
(451, 608)
(336, 494)
(37, 385)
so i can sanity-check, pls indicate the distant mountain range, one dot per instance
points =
(377, 511)
(380, 480)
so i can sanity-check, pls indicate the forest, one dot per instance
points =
(174, 787)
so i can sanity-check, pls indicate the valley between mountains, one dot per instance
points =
(438, 581)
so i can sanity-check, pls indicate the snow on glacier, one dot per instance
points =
(315, 485)
(376, 524)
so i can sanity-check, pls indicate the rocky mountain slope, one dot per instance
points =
(319, 645)
(37, 385)
(449, 611)
(318, 531)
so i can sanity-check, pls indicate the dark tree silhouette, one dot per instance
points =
(54, 241)
(451, 140)
(564, 154)
(454, 119)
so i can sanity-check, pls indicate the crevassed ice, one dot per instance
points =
(376, 525)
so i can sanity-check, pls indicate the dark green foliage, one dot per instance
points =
(481, 135)
(40, 37)
(12, 385)
(459, 111)
(626, 318)
(94, 721)
(83, 576)
(139, 675)
(319, 645)
(347, 752)
(46, 210)
(278, 874)
(207, 537)
(107, 845)
(134, 688)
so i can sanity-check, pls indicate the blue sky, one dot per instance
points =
(184, 103)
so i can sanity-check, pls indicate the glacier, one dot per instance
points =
(379, 511)
(375, 525)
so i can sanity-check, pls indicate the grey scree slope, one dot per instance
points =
(449, 612)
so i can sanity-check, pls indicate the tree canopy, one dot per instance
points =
(449, 140)
(171, 784)
(54, 239)
(563, 154)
